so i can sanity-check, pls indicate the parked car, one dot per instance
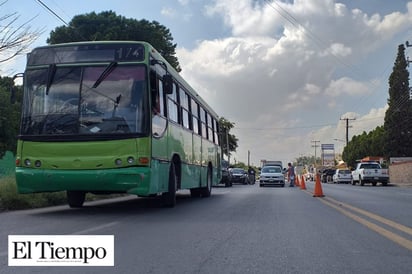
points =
(238, 176)
(225, 174)
(271, 175)
(342, 176)
(326, 175)
(370, 172)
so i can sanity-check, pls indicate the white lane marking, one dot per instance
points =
(92, 229)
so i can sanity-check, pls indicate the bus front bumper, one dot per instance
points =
(133, 180)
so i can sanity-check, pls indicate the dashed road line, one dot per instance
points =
(95, 228)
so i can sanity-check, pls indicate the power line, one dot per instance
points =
(52, 12)
(311, 35)
(323, 45)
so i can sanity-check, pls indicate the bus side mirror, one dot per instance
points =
(13, 89)
(168, 84)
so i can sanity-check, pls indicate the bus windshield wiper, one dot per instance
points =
(104, 74)
(50, 76)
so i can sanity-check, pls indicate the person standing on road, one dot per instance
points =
(291, 175)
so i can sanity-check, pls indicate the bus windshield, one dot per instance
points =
(85, 100)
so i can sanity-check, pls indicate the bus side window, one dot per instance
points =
(195, 117)
(184, 105)
(203, 127)
(156, 87)
(216, 132)
(210, 134)
(160, 99)
(154, 93)
(172, 105)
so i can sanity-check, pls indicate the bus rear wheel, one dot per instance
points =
(169, 197)
(207, 190)
(75, 199)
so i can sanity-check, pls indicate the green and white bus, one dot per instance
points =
(113, 117)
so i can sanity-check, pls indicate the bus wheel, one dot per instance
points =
(169, 197)
(207, 190)
(75, 199)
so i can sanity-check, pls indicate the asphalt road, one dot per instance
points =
(242, 229)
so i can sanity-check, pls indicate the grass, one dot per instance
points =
(10, 199)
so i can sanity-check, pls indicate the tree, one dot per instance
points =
(14, 40)
(226, 137)
(306, 160)
(9, 117)
(377, 141)
(394, 138)
(398, 116)
(366, 144)
(107, 25)
(354, 150)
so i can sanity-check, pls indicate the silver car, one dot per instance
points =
(271, 175)
(342, 176)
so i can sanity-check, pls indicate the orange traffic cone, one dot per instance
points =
(318, 188)
(297, 180)
(302, 183)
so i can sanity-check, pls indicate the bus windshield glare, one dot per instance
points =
(85, 100)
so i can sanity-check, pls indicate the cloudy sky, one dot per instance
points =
(287, 73)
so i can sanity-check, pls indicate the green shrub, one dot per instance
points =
(10, 199)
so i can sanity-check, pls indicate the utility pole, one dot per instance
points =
(315, 146)
(227, 146)
(347, 128)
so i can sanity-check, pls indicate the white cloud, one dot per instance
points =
(168, 12)
(347, 86)
(184, 13)
(245, 18)
(338, 50)
(184, 2)
(281, 75)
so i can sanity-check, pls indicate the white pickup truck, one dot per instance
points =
(370, 172)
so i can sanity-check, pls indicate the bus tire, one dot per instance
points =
(75, 199)
(169, 197)
(207, 190)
